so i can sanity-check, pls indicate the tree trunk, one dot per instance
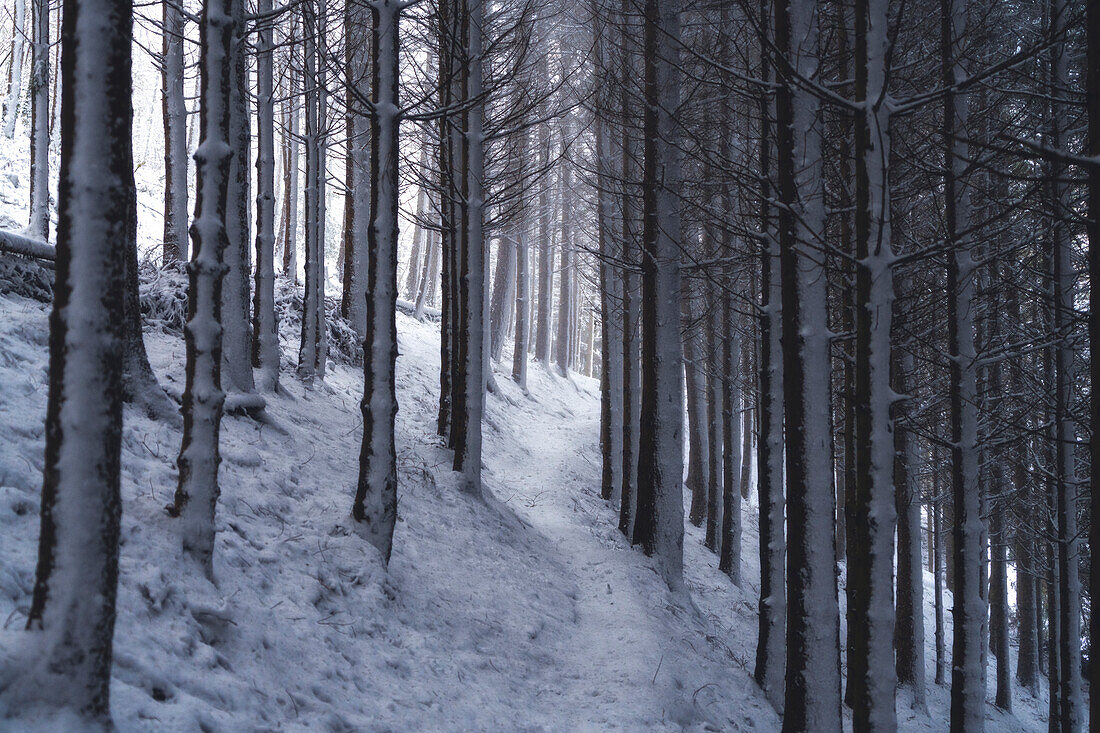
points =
(203, 398)
(174, 111)
(909, 614)
(265, 327)
(701, 426)
(872, 515)
(726, 352)
(290, 197)
(236, 316)
(504, 288)
(769, 669)
(544, 333)
(1070, 702)
(375, 505)
(15, 76)
(969, 608)
(659, 524)
(812, 685)
(76, 579)
(563, 346)
(40, 123)
(311, 353)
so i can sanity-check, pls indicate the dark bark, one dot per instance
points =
(75, 586)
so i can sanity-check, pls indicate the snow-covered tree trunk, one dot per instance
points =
(73, 607)
(969, 608)
(873, 514)
(15, 86)
(174, 112)
(236, 311)
(203, 398)
(769, 669)
(812, 685)
(265, 327)
(40, 123)
(659, 525)
(376, 496)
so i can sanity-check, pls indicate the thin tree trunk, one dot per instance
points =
(726, 351)
(375, 505)
(265, 327)
(290, 241)
(40, 123)
(769, 670)
(197, 492)
(701, 425)
(15, 75)
(174, 110)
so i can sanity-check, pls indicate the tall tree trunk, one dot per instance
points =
(812, 685)
(290, 241)
(472, 259)
(356, 165)
(311, 353)
(265, 327)
(628, 496)
(203, 398)
(909, 614)
(969, 608)
(15, 76)
(701, 416)
(376, 497)
(504, 288)
(769, 670)
(872, 515)
(725, 355)
(563, 346)
(76, 579)
(174, 111)
(939, 579)
(659, 524)
(544, 332)
(1092, 85)
(1070, 702)
(40, 123)
(236, 316)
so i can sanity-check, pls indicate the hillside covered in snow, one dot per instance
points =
(527, 611)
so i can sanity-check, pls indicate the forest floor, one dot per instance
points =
(524, 611)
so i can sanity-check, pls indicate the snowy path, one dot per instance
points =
(632, 658)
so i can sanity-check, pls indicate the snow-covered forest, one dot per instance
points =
(455, 365)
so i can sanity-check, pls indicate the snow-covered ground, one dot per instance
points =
(525, 612)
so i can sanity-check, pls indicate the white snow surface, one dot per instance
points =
(523, 612)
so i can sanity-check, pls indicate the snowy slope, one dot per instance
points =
(525, 612)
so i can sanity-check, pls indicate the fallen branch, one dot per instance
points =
(20, 245)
